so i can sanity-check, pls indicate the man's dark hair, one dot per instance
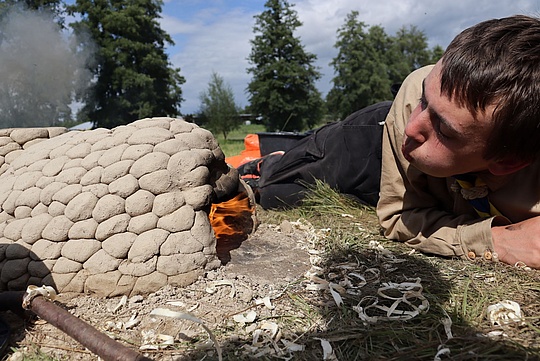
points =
(497, 62)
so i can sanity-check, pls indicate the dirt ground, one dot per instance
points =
(256, 273)
(269, 302)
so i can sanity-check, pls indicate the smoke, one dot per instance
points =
(41, 71)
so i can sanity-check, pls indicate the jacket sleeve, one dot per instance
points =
(418, 209)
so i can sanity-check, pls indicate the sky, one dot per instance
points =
(214, 35)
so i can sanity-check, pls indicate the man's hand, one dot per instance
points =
(518, 242)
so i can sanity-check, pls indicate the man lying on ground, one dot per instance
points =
(460, 172)
(460, 168)
(346, 155)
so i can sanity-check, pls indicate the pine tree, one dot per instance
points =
(369, 62)
(282, 90)
(133, 76)
(409, 52)
(435, 54)
(360, 67)
(219, 108)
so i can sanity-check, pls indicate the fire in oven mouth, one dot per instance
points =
(233, 220)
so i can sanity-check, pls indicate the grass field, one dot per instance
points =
(374, 324)
(455, 326)
(235, 140)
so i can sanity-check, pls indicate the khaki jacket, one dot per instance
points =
(430, 214)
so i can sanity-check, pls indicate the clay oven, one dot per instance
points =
(120, 211)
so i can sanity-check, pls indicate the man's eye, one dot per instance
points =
(440, 133)
(423, 103)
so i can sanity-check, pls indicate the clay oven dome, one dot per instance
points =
(120, 211)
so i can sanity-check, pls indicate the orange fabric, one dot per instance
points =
(251, 142)
(251, 151)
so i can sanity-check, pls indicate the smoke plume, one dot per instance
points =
(41, 70)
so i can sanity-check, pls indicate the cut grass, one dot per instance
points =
(31, 353)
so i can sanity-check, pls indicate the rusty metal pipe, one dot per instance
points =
(97, 342)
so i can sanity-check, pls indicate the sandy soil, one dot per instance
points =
(256, 273)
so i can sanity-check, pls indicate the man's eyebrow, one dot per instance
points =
(436, 115)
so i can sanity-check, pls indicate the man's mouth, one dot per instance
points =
(406, 150)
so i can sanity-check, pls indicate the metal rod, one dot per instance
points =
(97, 342)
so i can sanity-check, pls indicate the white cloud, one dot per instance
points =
(174, 26)
(216, 37)
(221, 46)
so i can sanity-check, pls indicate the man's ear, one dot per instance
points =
(507, 166)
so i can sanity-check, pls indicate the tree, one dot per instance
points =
(133, 76)
(361, 68)
(369, 62)
(282, 90)
(219, 108)
(436, 53)
(409, 52)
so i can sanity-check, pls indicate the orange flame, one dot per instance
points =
(225, 216)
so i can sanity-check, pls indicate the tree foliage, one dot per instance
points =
(360, 66)
(282, 90)
(133, 76)
(369, 61)
(219, 108)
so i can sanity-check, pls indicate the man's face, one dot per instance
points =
(443, 139)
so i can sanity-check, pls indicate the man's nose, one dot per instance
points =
(416, 128)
